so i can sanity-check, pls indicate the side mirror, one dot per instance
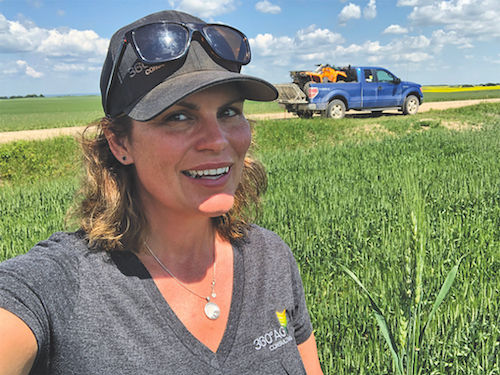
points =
(397, 81)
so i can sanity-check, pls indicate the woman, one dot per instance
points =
(166, 275)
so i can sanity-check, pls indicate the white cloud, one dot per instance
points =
(350, 11)
(407, 3)
(471, 18)
(63, 67)
(370, 11)
(267, 7)
(269, 45)
(414, 42)
(413, 3)
(17, 37)
(304, 42)
(28, 70)
(48, 52)
(441, 38)
(395, 29)
(373, 47)
(203, 8)
(406, 50)
(311, 37)
(32, 72)
(274, 55)
(61, 12)
(73, 43)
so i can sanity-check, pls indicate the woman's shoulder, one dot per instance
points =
(258, 233)
(63, 244)
(60, 249)
(61, 241)
(266, 243)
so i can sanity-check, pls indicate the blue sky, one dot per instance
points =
(57, 46)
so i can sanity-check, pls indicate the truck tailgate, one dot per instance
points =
(290, 93)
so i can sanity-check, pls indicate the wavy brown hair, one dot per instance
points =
(110, 211)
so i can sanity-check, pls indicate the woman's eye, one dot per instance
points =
(230, 112)
(176, 117)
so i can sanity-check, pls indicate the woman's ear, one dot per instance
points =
(120, 147)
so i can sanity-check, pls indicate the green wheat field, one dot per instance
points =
(67, 111)
(398, 200)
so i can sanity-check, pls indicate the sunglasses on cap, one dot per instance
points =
(160, 42)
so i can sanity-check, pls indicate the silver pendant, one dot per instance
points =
(212, 311)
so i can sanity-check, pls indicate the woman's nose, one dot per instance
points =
(212, 136)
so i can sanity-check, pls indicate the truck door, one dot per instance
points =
(369, 89)
(388, 89)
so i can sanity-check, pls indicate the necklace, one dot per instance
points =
(212, 310)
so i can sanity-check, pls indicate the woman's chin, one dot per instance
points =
(217, 204)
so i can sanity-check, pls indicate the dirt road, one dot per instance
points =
(49, 133)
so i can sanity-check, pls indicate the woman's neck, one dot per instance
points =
(182, 242)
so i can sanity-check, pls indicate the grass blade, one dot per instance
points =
(443, 292)
(382, 323)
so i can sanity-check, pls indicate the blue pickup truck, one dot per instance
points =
(365, 88)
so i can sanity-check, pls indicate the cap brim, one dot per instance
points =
(177, 88)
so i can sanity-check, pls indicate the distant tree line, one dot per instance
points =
(20, 96)
(483, 84)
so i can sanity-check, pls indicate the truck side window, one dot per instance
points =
(368, 75)
(384, 76)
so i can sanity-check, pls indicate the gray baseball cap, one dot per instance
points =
(143, 91)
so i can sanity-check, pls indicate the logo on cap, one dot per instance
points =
(140, 67)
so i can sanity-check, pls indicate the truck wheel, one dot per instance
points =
(335, 109)
(410, 107)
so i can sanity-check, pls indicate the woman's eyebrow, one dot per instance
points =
(237, 100)
(194, 106)
(231, 102)
(188, 105)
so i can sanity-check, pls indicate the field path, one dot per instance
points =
(6, 137)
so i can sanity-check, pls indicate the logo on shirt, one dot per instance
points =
(282, 319)
(275, 338)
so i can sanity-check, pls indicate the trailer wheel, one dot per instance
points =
(304, 114)
(410, 106)
(335, 109)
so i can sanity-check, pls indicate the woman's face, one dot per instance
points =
(189, 159)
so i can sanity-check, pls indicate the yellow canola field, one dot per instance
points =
(458, 88)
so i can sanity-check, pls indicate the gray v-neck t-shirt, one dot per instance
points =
(100, 313)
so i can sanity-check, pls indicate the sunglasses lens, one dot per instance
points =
(228, 43)
(160, 42)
